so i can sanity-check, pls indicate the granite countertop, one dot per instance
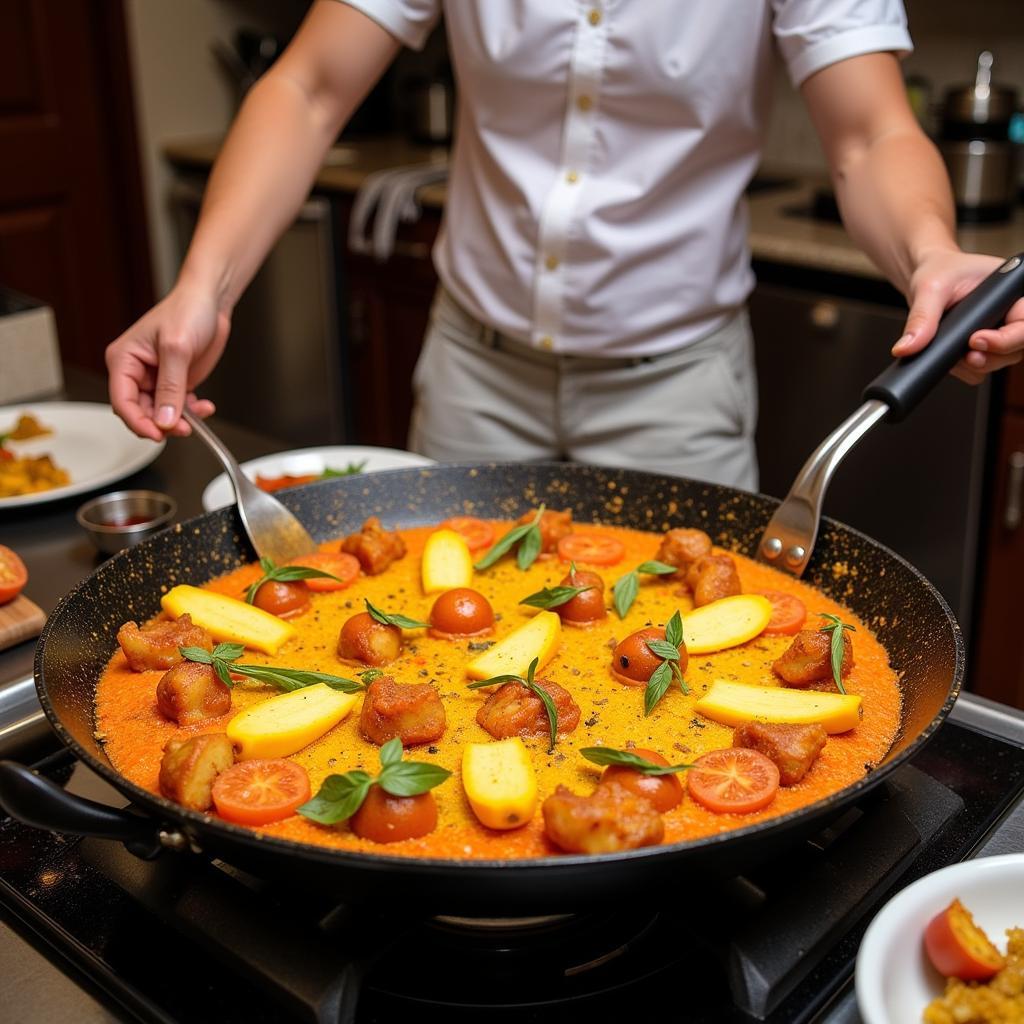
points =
(776, 235)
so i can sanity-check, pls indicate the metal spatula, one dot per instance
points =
(273, 531)
(788, 541)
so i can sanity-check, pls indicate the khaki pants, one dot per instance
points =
(482, 396)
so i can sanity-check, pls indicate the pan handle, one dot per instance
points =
(903, 384)
(38, 802)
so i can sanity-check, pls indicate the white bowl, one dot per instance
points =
(895, 979)
(302, 461)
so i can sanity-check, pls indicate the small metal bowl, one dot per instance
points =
(122, 519)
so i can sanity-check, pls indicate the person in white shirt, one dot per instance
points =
(593, 258)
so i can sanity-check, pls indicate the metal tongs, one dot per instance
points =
(789, 539)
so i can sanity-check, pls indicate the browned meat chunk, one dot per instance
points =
(809, 658)
(375, 548)
(793, 748)
(414, 712)
(156, 645)
(190, 693)
(711, 578)
(513, 710)
(189, 768)
(610, 819)
(682, 548)
(553, 527)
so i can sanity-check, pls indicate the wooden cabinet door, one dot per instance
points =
(998, 662)
(72, 223)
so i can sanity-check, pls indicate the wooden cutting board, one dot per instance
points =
(20, 619)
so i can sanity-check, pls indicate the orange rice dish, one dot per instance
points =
(611, 714)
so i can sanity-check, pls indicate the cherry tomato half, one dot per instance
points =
(337, 563)
(364, 639)
(587, 606)
(591, 549)
(260, 791)
(13, 575)
(735, 780)
(478, 533)
(282, 599)
(958, 948)
(389, 819)
(664, 791)
(461, 612)
(633, 662)
(789, 614)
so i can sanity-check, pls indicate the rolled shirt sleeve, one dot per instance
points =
(811, 34)
(409, 21)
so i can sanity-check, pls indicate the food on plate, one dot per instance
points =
(578, 599)
(287, 722)
(260, 791)
(226, 618)
(375, 547)
(446, 562)
(982, 986)
(808, 659)
(500, 783)
(157, 645)
(711, 578)
(733, 781)
(537, 638)
(13, 575)
(610, 819)
(278, 483)
(192, 692)
(26, 428)
(189, 767)
(27, 474)
(461, 698)
(409, 712)
(736, 703)
(792, 747)
(683, 547)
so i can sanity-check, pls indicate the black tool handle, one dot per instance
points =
(42, 804)
(903, 384)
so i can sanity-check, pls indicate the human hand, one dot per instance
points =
(156, 363)
(943, 279)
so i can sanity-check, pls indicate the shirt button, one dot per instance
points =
(572, 177)
(547, 343)
(594, 17)
(551, 262)
(584, 103)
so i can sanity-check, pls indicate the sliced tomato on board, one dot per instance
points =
(337, 563)
(789, 614)
(735, 780)
(958, 948)
(260, 791)
(478, 533)
(13, 575)
(591, 548)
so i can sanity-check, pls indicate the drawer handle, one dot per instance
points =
(1014, 491)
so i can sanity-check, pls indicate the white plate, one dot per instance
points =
(895, 980)
(219, 494)
(88, 440)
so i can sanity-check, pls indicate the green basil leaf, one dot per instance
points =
(624, 592)
(494, 680)
(288, 679)
(402, 621)
(549, 707)
(529, 548)
(350, 470)
(229, 652)
(663, 649)
(198, 654)
(267, 566)
(291, 573)
(655, 568)
(838, 647)
(503, 545)
(369, 675)
(410, 778)
(391, 752)
(627, 759)
(674, 630)
(338, 798)
(657, 686)
(679, 676)
(223, 673)
(554, 597)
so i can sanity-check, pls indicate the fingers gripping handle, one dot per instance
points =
(903, 384)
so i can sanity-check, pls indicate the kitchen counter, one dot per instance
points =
(777, 234)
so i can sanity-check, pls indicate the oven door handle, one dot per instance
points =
(38, 802)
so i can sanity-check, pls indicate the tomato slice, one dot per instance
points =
(337, 563)
(958, 948)
(13, 575)
(260, 791)
(735, 780)
(789, 614)
(591, 549)
(478, 533)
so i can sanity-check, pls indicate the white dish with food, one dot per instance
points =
(312, 461)
(86, 439)
(895, 979)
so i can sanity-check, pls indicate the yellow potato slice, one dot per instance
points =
(500, 783)
(736, 703)
(288, 722)
(728, 622)
(537, 638)
(228, 619)
(447, 563)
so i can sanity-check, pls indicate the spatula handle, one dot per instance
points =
(903, 384)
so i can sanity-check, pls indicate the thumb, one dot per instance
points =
(926, 310)
(172, 375)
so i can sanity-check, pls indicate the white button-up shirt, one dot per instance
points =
(602, 148)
